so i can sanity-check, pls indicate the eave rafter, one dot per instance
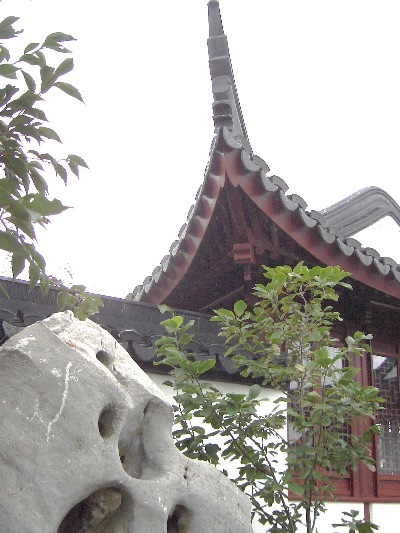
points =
(259, 215)
(174, 266)
(310, 229)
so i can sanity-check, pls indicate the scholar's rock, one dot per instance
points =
(86, 443)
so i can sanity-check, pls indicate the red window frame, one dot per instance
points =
(362, 485)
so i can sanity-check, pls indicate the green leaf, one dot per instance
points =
(162, 341)
(276, 337)
(17, 264)
(34, 274)
(172, 350)
(296, 489)
(58, 37)
(44, 285)
(60, 170)
(38, 259)
(29, 131)
(7, 22)
(36, 164)
(20, 120)
(38, 180)
(225, 314)
(239, 308)
(6, 29)
(47, 75)
(49, 133)
(254, 391)
(40, 204)
(10, 243)
(31, 47)
(32, 59)
(8, 71)
(25, 101)
(4, 54)
(78, 288)
(36, 113)
(7, 93)
(41, 58)
(315, 336)
(174, 322)
(163, 308)
(58, 48)
(349, 374)
(44, 157)
(62, 300)
(69, 89)
(30, 82)
(65, 66)
(74, 168)
(79, 161)
(206, 365)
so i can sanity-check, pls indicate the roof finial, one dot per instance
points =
(226, 106)
(214, 18)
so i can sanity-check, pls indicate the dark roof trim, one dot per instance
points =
(361, 209)
(231, 158)
(310, 229)
(226, 106)
(136, 326)
(117, 312)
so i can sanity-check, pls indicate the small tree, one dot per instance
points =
(24, 200)
(283, 343)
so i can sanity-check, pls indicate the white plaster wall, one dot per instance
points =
(333, 515)
(265, 407)
(384, 515)
(227, 387)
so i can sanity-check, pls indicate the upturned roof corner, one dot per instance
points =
(244, 218)
(361, 209)
(226, 106)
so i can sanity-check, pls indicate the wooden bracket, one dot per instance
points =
(243, 253)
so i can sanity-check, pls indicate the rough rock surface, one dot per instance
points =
(86, 443)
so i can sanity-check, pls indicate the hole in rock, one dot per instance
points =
(105, 358)
(101, 512)
(139, 440)
(108, 421)
(130, 447)
(178, 522)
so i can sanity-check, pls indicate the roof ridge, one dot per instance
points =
(231, 159)
(361, 209)
(226, 105)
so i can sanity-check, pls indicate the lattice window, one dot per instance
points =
(386, 379)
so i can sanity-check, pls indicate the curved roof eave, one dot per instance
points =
(231, 155)
(308, 228)
(174, 265)
(361, 209)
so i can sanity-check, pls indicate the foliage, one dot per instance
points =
(283, 343)
(354, 524)
(24, 201)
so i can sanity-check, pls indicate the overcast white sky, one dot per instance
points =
(319, 86)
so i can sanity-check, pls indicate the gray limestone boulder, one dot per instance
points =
(86, 443)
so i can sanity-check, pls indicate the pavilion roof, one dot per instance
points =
(361, 209)
(234, 171)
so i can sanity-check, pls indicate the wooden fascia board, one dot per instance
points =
(182, 252)
(230, 160)
(325, 246)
